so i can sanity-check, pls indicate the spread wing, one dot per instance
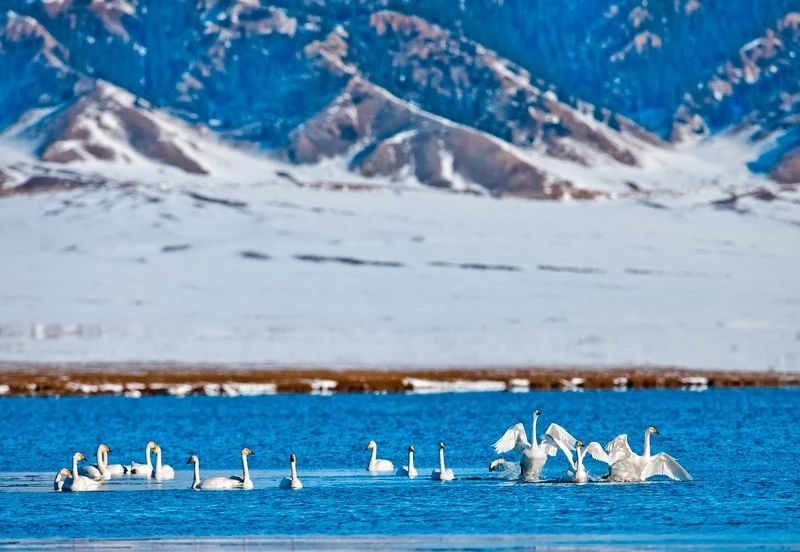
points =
(664, 464)
(514, 438)
(561, 438)
(619, 449)
(549, 442)
(596, 451)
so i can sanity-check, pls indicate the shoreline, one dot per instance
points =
(176, 379)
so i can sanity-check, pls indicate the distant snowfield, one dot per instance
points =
(293, 276)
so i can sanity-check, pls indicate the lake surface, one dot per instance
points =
(738, 444)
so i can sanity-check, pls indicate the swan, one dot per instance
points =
(79, 482)
(534, 453)
(443, 473)
(98, 471)
(626, 465)
(223, 483)
(567, 443)
(409, 471)
(58, 482)
(376, 464)
(146, 469)
(162, 472)
(292, 482)
(114, 470)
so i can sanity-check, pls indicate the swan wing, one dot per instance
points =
(561, 437)
(550, 442)
(514, 439)
(596, 451)
(619, 449)
(664, 464)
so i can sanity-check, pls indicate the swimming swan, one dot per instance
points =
(443, 473)
(292, 482)
(114, 470)
(58, 482)
(626, 465)
(98, 471)
(146, 469)
(376, 464)
(534, 454)
(578, 471)
(79, 482)
(162, 471)
(223, 483)
(409, 471)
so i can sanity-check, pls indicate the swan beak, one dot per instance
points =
(538, 413)
(108, 450)
(189, 460)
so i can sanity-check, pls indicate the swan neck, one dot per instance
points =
(147, 455)
(158, 461)
(245, 468)
(374, 456)
(102, 460)
(646, 451)
(294, 470)
(534, 439)
(100, 457)
(74, 467)
(410, 460)
(441, 460)
(196, 482)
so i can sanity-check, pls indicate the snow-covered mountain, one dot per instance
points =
(372, 88)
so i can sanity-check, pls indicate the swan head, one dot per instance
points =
(66, 472)
(292, 458)
(247, 452)
(104, 448)
(156, 448)
(371, 445)
(537, 413)
(411, 448)
(652, 430)
(441, 445)
(151, 445)
(578, 444)
(193, 459)
(78, 456)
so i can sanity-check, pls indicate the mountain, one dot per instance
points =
(469, 97)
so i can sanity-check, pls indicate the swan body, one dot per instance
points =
(292, 483)
(162, 471)
(222, 483)
(376, 464)
(143, 470)
(98, 471)
(58, 482)
(533, 453)
(443, 473)
(113, 470)
(409, 471)
(566, 443)
(628, 466)
(77, 482)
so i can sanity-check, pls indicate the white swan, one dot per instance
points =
(162, 471)
(58, 482)
(79, 482)
(375, 463)
(566, 443)
(98, 471)
(443, 473)
(114, 470)
(292, 482)
(534, 453)
(409, 471)
(626, 465)
(146, 469)
(223, 483)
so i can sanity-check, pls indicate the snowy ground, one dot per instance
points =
(419, 278)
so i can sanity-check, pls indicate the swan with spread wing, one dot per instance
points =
(534, 452)
(566, 443)
(626, 465)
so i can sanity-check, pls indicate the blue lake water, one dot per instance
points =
(738, 444)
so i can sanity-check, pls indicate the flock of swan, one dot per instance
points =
(624, 464)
